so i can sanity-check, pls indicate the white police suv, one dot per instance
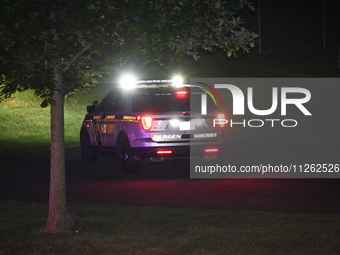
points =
(153, 120)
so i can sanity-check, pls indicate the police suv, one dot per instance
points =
(153, 120)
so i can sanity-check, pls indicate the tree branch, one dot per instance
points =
(77, 56)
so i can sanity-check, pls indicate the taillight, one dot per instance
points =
(146, 122)
(211, 150)
(220, 121)
(164, 152)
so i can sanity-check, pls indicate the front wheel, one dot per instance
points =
(128, 164)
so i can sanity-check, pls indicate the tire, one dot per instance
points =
(87, 154)
(128, 165)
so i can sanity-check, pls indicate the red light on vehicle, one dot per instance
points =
(146, 122)
(162, 152)
(181, 93)
(221, 121)
(211, 150)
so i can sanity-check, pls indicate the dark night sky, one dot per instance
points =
(295, 25)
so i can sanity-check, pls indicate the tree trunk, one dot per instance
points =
(57, 213)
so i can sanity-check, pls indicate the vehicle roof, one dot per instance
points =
(158, 87)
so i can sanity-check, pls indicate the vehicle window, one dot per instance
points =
(119, 102)
(166, 102)
(113, 102)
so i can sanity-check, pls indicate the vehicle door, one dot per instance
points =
(108, 121)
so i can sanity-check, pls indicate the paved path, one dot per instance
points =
(26, 177)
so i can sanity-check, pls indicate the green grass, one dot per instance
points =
(114, 229)
(25, 126)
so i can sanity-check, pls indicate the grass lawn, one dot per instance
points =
(113, 229)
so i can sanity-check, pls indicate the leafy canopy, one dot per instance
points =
(78, 39)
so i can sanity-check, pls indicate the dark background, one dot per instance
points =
(291, 25)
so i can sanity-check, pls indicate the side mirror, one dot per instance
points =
(92, 108)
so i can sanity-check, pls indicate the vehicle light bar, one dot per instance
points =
(177, 81)
(153, 81)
